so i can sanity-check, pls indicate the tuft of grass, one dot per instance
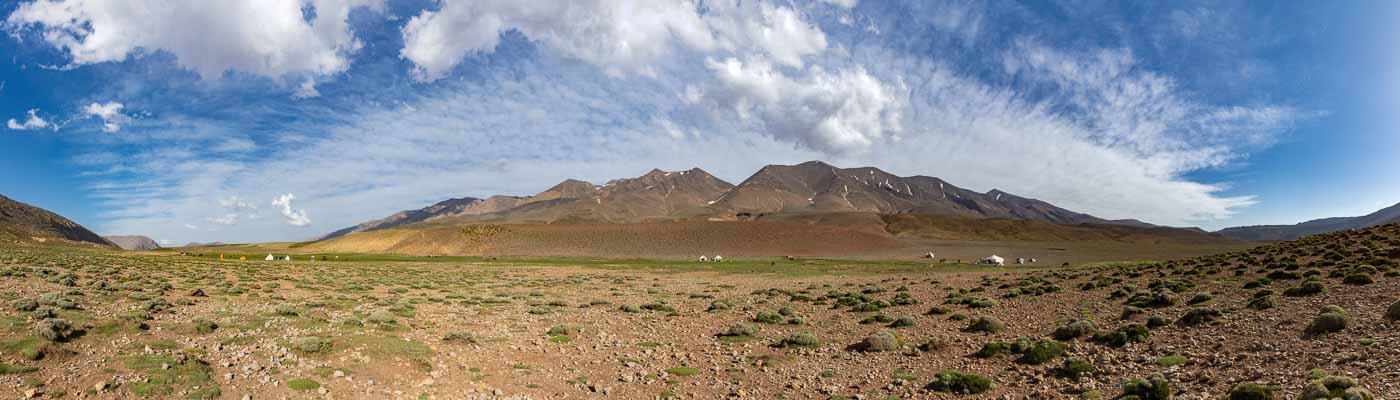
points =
(1172, 360)
(303, 384)
(683, 371)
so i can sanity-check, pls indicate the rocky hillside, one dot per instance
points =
(25, 222)
(1289, 232)
(133, 242)
(445, 207)
(815, 186)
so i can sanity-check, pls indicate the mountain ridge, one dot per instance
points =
(812, 186)
(1313, 227)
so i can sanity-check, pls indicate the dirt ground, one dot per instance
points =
(89, 324)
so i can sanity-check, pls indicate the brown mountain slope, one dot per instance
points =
(25, 222)
(445, 207)
(657, 195)
(138, 243)
(810, 187)
(853, 234)
(815, 186)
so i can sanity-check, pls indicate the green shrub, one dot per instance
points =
(880, 341)
(992, 349)
(382, 317)
(902, 322)
(938, 311)
(564, 330)
(1261, 303)
(1075, 368)
(960, 383)
(740, 329)
(986, 324)
(1131, 333)
(1157, 321)
(1394, 311)
(1200, 298)
(1252, 391)
(719, 306)
(1327, 322)
(630, 308)
(1199, 315)
(25, 305)
(56, 329)
(203, 326)
(1042, 352)
(1074, 330)
(801, 339)
(768, 317)
(1307, 288)
(1358, 278)
(1152, 388)
(311, 344)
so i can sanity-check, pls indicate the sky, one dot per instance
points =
(275, 120)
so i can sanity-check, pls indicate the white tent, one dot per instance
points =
(993, 260)
(270, 257)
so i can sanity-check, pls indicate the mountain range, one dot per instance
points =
(1388, 215)
(810, 187)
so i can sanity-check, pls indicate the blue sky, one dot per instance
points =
(282, 120)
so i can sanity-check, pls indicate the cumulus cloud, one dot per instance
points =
(262, 37)
(33, 122)
(619, 36)
(834, 112)
(110, 114)
(294, 217)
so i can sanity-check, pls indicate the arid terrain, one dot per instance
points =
(1285, 320)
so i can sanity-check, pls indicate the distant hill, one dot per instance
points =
(1289, 232)
(201, 244)
(26, 222)
(445, 207)
(139, 243)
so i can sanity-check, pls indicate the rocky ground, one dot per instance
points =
(1315, 318)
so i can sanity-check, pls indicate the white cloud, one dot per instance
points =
(237, 204)
(623, 35)
(842, 3)
(306, 90)
(834, 112)
(294, 217)
(191, 226)
(262, 37)
(33, 122)
(110, 113)
(226, 219)
(619, 36)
